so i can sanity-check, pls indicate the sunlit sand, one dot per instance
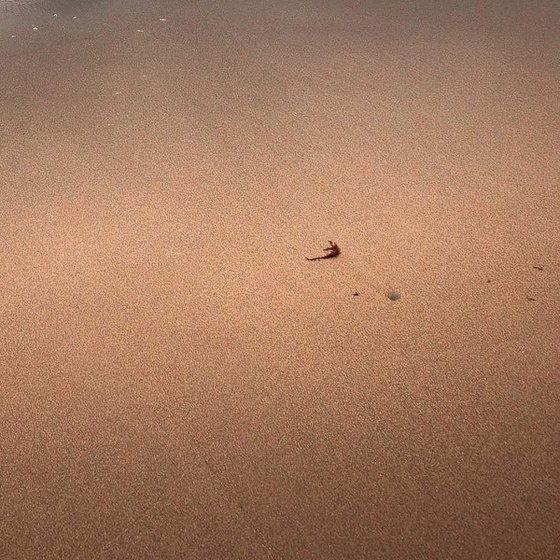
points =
(178, 381)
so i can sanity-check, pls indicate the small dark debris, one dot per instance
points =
(531, 298)
(541, 268)
(393, 296)
(488, 281)
(355, 294)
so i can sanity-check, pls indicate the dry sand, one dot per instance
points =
(177, 381)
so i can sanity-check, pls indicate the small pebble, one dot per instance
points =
(393, 296)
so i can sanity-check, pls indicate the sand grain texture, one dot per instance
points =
(177, 381)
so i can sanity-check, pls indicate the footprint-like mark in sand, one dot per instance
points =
(22, 7)
(34, 8)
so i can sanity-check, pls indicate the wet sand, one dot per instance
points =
(178, 381)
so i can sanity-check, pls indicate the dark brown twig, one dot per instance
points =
(332, 251)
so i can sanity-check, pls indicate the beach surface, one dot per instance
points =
(177, 381)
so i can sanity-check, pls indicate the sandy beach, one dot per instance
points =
(177, 381)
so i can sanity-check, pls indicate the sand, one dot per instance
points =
(177, 381)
